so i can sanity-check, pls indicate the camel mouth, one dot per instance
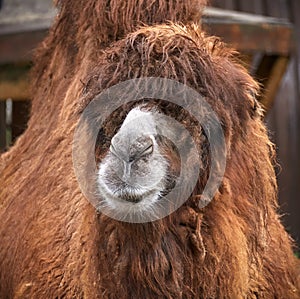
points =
(132, 195)
(131, 198)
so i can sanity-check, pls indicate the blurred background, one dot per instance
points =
(266, 32)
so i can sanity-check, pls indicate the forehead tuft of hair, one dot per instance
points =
(83, 29)
(184, 54)
(87, 26)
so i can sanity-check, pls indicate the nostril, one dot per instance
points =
(147, 151)
(142, 147)
(116, 149)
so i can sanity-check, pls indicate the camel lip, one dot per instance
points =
(130, 196)
(131, 199)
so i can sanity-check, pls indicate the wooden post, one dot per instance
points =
(20, 116)
(2, 126)
(269, 73)
(273, 84)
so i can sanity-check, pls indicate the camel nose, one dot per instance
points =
(129, 152)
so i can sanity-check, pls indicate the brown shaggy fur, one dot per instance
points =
(54, 244)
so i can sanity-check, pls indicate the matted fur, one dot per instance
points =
(54, 244)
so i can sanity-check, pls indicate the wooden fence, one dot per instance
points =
(283, 118)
